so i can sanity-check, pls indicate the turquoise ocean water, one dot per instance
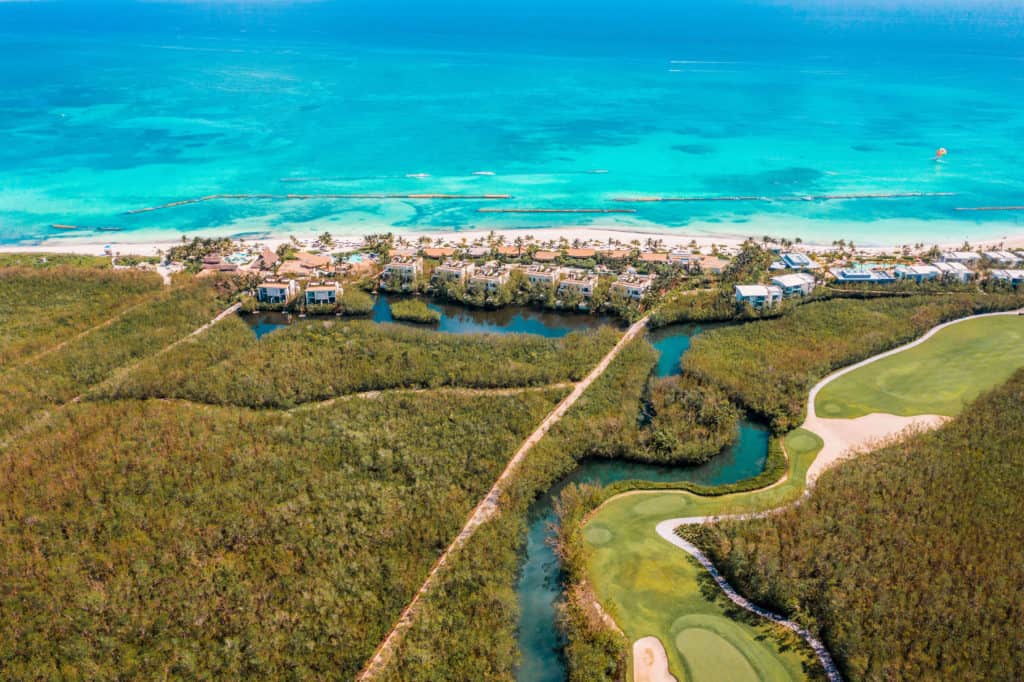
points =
(107, 108)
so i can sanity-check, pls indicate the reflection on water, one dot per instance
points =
(458, 319)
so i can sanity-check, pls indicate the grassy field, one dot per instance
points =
(940, 376)
(651, 588)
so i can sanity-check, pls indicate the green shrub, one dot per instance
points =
(414, 310)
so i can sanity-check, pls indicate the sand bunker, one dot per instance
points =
(844, 437)
(650, 662)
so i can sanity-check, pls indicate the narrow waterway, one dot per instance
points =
(540, 580)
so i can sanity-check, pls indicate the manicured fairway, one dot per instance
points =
(652, 588)
(940, 376)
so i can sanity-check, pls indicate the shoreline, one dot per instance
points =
(352, 238)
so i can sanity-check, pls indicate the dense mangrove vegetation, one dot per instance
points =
(770, 366)
(89, 359)
(40, 308)
(908, 560)
(691, 420)
(152, 539)
(317, 360)
(468, 621)
(54, 260)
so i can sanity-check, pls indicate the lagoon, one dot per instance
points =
(459, 319)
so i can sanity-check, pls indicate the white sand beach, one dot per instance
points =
(596, 235)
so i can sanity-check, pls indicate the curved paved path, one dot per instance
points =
(488, 506)
(666, 529)
(837, 444)
(843, 436)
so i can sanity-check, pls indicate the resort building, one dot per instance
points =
(489, 277)
(477, 251)
(307, 264)
(268, 259)
(546, 275)
(326, 293)
(681, 259)
(218, 264)
(853, 274)
(795, 284)
(581, 253)
(276, 291)
(402, 270)
(439, 252)
(794, 261)
(1014, 277)
(632, 285)
(510, 251)
(615, 254)
(712, 265)
(758, 295)
(965, 257)
(545, 256)
(954, 271)
(1002, 258)
(654, 258)
(578, 281)
(453, 271)
(918, 273)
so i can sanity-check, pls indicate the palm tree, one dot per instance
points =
(326, 239)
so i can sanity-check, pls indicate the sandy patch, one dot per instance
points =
(650, 662)
(845, 437)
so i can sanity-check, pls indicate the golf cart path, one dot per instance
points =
(842, 438)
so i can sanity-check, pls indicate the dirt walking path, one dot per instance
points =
(44, 417)
(488, 506)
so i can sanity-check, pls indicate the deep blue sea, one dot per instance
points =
(110, 107)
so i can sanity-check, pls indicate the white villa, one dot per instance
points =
(794, 261)
(1014, 277)
(681, 258)
(633, 285)
(403, 269)
(326, 293)
(580, 281)
(1003, 258)
(918, 273)
(758, 295)
(953, 270)
(276, 291)
(543, 274)
(454, 271)
(795, 284)
(862, 274)
(490, 276)
(965, 257)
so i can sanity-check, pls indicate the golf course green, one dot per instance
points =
(651, 588)
(940, 376)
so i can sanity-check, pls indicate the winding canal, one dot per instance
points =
(540, 579)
